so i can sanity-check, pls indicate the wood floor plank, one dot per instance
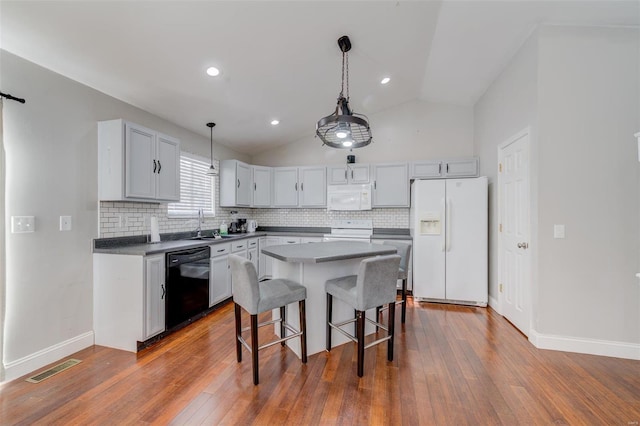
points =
(452, 365)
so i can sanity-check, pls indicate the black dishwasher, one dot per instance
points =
(187, 285)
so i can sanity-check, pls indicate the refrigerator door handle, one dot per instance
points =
(448, 226)
(444, 236)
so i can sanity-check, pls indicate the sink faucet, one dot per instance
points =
(200, 222)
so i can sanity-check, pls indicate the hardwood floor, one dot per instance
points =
(453, 365)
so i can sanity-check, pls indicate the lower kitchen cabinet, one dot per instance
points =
(128, 299)
(252, 252)
(409, 272)
(219, 274)
(265, 264)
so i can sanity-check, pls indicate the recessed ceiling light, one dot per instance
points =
(385, 80)
(213, 71)
(275, 122)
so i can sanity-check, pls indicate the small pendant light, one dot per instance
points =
(212, 170)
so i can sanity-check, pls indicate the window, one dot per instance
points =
(196, 188)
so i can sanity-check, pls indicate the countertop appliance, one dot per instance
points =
(350, 230)
(448, 223)
(187, 284)
(252, 225)
(349, 197)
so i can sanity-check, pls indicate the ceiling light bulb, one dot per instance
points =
(213, 71)
(385, 80)
(275, 122)
(347, 143)
(341, 134)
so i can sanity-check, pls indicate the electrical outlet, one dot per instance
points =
(558, 231)
(20, 224)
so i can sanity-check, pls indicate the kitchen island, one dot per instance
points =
(311, 265)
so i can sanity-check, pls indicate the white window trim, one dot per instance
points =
(185, 215)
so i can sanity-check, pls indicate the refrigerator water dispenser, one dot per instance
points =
(430, 223)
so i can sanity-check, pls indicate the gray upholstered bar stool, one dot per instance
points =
(375, 285)
(404, 250)
(257, 298)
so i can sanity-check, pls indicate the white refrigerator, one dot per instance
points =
(448, 223)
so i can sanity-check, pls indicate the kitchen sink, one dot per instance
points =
(224, 237)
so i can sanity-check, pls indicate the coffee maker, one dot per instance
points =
(242, 225)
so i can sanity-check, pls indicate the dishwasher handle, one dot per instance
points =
(187, 256)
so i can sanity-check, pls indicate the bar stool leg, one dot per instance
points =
(303, 328)
(392, 328)
(360, 336)
(404, 300)
(378, 315)
(329, 319)
(283, 310)
(254, 348)
(238, 333)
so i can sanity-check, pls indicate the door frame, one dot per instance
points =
(529, 294)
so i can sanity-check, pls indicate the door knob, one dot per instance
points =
(523, 245)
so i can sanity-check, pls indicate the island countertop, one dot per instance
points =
(326, 251)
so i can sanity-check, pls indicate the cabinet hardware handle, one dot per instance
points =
(440, 168)
(154, 166)
(250, 256)
(159, 166)
(351, 174)
(302, 186)
(163, 291)
(447, 168)
(374, 184)
(238, 183)
(345, 174)
(255, 187)
(296, 186)
(220, 251)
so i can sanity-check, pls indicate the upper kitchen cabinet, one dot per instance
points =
(300, 186)
(390, 185)
(349, 173)
(312, 186)
(136, 163)
(262, 178)
(454, 168)
(236, 184)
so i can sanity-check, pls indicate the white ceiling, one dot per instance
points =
(280, 59)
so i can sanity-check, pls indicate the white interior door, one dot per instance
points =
(514, 231)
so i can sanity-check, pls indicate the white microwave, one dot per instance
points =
(349, 197)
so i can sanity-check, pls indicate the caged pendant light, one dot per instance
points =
(344, 128)
(212, 170)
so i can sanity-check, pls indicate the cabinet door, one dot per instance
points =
(168, 168)
(337, 175)
(220, 280)
(266, 262)
(426, 169)
(244, 187)
(390, 185)
(285, 187)
(466, 167)
(252, 255)
(140, 163)
(312, 186)
(358, 173)
(261, 186)
(155, 290)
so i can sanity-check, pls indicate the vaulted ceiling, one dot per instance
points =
(279, 59)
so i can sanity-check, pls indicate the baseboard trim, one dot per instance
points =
(585, 346)
(493, 302)
(30, 363)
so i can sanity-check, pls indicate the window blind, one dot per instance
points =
(196, 188)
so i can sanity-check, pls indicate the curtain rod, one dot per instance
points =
(13, 98)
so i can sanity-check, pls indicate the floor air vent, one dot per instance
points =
(53, 371)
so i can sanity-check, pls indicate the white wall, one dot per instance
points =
(413, 131)
(51, 168)
(588, 180)
(578, 90)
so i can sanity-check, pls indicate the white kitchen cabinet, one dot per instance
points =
(236, 184)
(252, 253)
(310, 240)
(136, 163)
(285, 187)
(262, 177)
(390, 185)
(265, 263)
(155, 290)
(128, 299)
(220, 274)
(348, 174)
(312, 185)
(289, 240)
(451, 168)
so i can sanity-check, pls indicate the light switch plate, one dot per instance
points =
(65, 223)
(558, 231)
(20, 224)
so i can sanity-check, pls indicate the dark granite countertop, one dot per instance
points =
(326, 251)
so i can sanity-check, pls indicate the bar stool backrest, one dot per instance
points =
(376, 282)
(404, 249)
(246, 292)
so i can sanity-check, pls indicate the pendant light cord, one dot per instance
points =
(345, 66)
